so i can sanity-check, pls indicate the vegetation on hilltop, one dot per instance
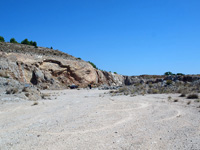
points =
(2, 39)
(33, 43)
(12, 40)
(93, 64)
(27, 42)
(170, 73)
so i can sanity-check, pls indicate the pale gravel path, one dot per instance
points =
(90, 120)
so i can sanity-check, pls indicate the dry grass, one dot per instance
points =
(169, 98)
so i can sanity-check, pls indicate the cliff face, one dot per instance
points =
(50, 69)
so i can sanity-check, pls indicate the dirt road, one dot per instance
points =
(92, 120)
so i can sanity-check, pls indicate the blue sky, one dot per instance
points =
(130, 37)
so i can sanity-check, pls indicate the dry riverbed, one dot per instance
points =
(92, 120)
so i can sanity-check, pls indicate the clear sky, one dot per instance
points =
(130, 37)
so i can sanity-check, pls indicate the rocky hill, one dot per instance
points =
(26, 69)
(50, 69)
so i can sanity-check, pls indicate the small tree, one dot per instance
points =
(2, 39)
(51, 47)
(180, 74)
(168, 73)
(34, 44)
(31, 42)
(12, 40)
(25, 41)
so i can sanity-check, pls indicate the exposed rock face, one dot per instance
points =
(50, 69)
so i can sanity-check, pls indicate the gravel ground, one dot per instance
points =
(92, 120)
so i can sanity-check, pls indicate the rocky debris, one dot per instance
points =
(150, 79)
(129, 80)
(32, 93)
(13, 89)
(174, 84)
(106, 87)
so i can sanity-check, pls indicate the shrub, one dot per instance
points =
(169, 82)
(25, 41)
(150, 84)
(115, 72)
(176, 100)
(180, 74)
(169, 98)
(35, 103)
(2, 39)
(133, 91)
(193, 96)
(51, 47)
(155, 91)
(168, 73)
(93, 65)
(182, 95)
(34, 44)
(31, 42)
(123, 89)
(12, 40)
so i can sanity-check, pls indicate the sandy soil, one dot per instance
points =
(92, 120)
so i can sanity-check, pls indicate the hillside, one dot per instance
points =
(50, 69)
(24, 66)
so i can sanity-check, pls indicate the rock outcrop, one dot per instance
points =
(44, 68)
(50, 69)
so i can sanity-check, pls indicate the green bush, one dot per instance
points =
(115, 72)
(12, 40)
(34, 44)
(31, 43)
(2, 39)
(180, 74)
(93, 65)
(25, 41)
(168, 73)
